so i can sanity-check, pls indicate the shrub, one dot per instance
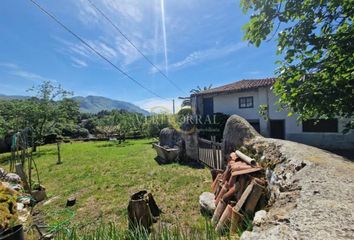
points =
(214, 127)
(8, 215)
(75, 131)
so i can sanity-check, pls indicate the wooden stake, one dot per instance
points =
(58, 147)
(22, 174)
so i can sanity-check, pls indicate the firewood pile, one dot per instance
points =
(239, 191)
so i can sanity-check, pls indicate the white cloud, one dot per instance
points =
(80, 54)
(127, 8)
(78, 63)
(29, 76)
(198, 57)
(15, 70)
(141, 22)
(8, 65)
(105, 50)
(134, 19)
(80, 49)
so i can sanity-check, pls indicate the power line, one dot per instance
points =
(133, 45)
(94, 50)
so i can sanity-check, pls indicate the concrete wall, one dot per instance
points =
(229, 104)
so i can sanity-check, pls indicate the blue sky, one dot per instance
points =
(203, 46)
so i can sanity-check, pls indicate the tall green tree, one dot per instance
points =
(45, 113)
(50, 108)
(315, 40)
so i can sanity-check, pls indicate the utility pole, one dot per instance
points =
(173, 105)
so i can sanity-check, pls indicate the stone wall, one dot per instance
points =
(311, 189)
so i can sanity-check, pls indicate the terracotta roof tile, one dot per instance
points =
(239, 86)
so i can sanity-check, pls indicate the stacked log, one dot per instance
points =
(237, 191)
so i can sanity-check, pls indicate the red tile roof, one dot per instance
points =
(239, 86)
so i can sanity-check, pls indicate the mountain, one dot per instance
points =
(11, 97)
(94, 104)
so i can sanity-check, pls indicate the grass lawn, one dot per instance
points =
(102, 176)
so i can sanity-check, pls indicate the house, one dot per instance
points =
(244, 99)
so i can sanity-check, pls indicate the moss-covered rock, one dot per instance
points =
(8, 213)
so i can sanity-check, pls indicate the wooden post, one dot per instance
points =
(198, 149)
(30, 172)
(22, 174)
(215, 161)
(58, 147)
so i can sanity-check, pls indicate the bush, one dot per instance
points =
(212, 126)
(154, 124)
(75, 131)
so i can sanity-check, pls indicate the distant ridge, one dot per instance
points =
(11, 97)
(93, 104)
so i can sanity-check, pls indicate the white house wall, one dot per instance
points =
(229, 104)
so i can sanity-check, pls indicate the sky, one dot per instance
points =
(193, 42)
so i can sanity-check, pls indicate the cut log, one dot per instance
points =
(139, 213)
(70, 201)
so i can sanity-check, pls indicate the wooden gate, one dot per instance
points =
(210, 153)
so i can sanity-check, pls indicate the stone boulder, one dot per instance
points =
(237, 131)
(13, 178)
(311, 190)
(259, 217)
(207, 203)
(169, 137)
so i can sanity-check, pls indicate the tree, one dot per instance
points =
(316, 75)
(199, 89)
(49, 108)
(45, 113)
(187, 100)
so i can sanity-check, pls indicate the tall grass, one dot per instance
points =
(111, 231)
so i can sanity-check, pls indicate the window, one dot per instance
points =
(245, 102)
(320, 125)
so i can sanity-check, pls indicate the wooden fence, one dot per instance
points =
(210, 153)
